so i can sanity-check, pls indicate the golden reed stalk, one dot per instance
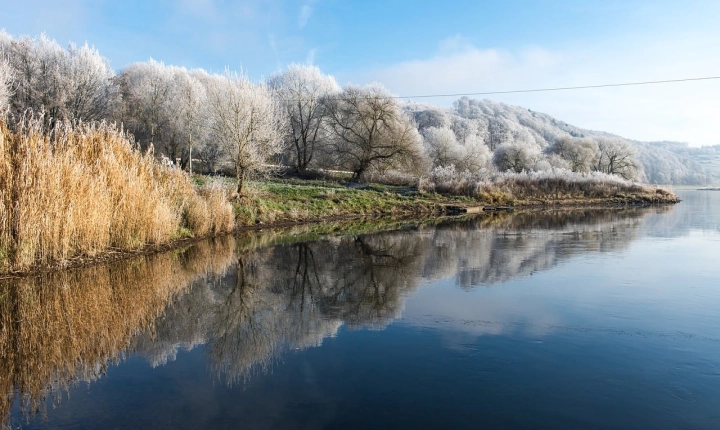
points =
(80, 190)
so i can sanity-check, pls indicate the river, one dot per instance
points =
(558, 319)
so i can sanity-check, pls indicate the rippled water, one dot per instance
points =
(556, 319)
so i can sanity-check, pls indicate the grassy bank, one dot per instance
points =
(287, 201)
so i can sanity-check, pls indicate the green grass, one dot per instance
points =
(276, 201)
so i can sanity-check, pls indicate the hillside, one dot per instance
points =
(497, 123)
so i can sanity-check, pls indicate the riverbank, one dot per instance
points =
(248, 237)
(275, 203)
(295, 200)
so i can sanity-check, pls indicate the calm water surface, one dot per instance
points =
(591, 319)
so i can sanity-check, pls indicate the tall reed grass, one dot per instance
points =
(82, 189)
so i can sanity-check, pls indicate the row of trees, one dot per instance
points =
(299, 117)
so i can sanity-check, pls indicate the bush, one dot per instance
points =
(557, 184)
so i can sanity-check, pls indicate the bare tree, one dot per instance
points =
(617, 157)
(369, 131)
(300, 90)
(246, 121)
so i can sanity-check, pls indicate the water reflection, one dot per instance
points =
(61, 328)
(248, 301)
(292, 296)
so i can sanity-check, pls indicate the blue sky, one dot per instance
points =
(429, 47)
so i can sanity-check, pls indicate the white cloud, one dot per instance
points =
(683, 111)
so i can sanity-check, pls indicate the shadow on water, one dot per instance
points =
(251, 297)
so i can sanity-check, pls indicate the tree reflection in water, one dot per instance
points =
(249, 304)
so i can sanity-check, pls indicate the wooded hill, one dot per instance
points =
(497, 123)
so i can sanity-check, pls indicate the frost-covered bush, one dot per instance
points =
(554, 184)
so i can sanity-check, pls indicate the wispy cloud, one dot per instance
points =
(305, 12)
(310, 58)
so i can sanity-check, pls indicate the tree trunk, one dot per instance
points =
(240, 176)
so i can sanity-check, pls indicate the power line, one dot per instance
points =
(533, 90)
(537, 90)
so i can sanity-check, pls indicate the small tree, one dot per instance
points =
(617, 157)
(442, 147)
(369, 130)
(300, 90)
(246, 121)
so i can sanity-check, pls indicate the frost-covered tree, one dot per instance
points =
(617, 157)
(190, 96)
(468, 129)
(370, 131)
(476, 156)
(580, 154)
(443, 149)
(6, 79)
(515, 157)
(90, 94)
(73, 83)
(146, 90)
(246, 121)
(165, 106)
(300, 90)
(441, 146)
(498, 133)
(431, 117)
(37, 68)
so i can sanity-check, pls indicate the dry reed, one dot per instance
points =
(83, 189)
